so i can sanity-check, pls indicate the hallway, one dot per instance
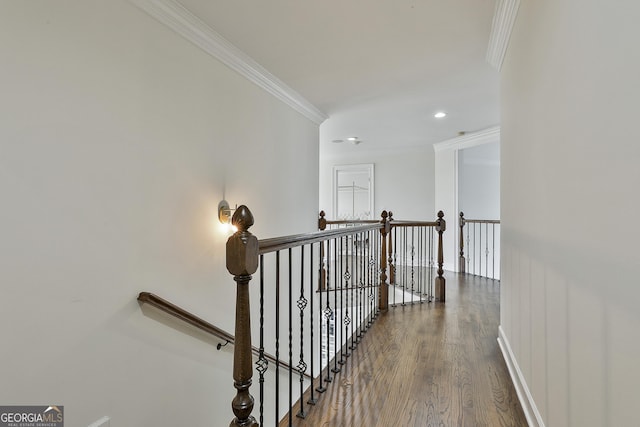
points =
(428, 364)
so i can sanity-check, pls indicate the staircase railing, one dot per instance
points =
(413, 259)
(319, 293)
(182, 314)
(482, 238)
(190, 318)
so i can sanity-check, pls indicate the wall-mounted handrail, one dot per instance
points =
(182, 314)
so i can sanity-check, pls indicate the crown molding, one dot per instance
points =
(485, 136)
(503, 19)
(182, 21)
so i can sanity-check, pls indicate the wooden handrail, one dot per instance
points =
(401, 223)
(286, 242)
(482, 221)
(182, 314)
(351, 221)
(322, 221)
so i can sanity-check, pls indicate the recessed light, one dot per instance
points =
(352, 138)
(440, 115)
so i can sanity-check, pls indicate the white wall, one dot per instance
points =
(479, 181)
(404, 179)
(447, 185)
(479, 198)
(569, 291)
(118, 138)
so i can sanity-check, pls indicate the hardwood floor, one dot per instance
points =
(427, 364)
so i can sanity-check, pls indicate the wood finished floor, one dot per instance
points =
(429, 365)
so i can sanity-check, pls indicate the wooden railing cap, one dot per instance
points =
(242, 218)
(442, 224)
(322, 221)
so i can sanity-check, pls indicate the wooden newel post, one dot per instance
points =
(392, 267)
(461, 261)
(322, 225)
(384, 286)
(440, 282)
(322, 222)
(242, 262)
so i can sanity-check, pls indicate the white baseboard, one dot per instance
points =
(534, 419)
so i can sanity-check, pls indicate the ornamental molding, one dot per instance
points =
(485, 136)
(182, 21)
(503, 19)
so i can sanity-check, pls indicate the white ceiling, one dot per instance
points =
(379, 69)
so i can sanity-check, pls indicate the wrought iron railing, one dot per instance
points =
(319, 293)
(481, 238)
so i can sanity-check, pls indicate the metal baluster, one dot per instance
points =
(493, 248)
(394, 253)
(290, 337)
(302, 304)
(413, 253)
(474, 248)
(469, 248)
(366, 276)
(376, 288)
(337, 260)
(277, 336)
(372, 276)
(356, 280)
(405, 272)
(421, 263)
(324, 269)
(261, 364)
(346, 319)
(361, 273)
(486, 249)
(336, 348)
(312, 400)
(353, 303)
(418, 271)
(329, 313)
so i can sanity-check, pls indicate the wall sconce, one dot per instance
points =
(224, 212)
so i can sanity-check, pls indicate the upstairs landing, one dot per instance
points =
(427, 365)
